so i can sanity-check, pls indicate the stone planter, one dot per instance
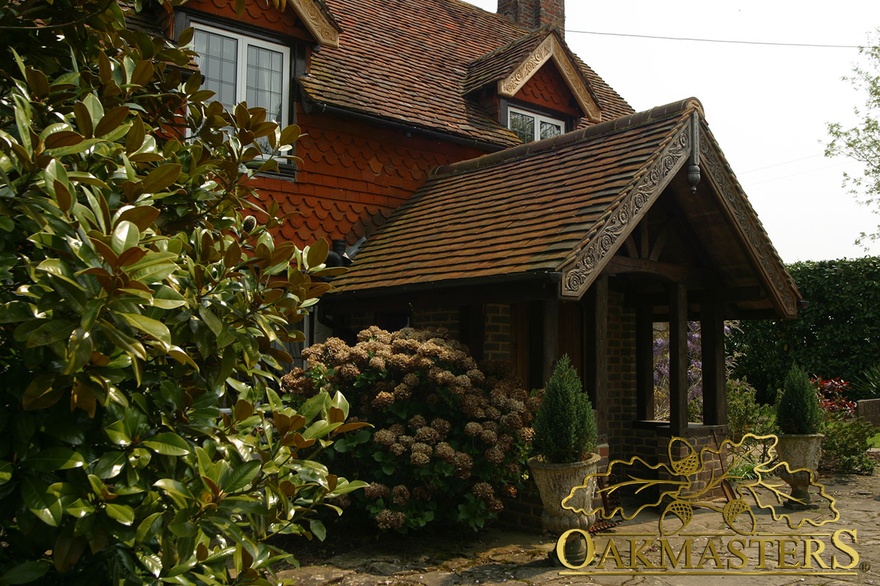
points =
(799, 451)
(555, 482)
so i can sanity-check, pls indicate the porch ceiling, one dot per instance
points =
(567, 209)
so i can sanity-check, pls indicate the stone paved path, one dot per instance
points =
(522, 559)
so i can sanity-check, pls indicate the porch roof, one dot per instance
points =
(562, 209)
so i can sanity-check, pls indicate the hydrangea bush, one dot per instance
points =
(448, 439)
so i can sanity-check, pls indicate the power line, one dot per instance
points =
(728, 41)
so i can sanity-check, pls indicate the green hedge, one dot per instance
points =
(837, 334)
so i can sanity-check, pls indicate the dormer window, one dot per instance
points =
(530, 126)
(244, 69)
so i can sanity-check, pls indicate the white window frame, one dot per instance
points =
(538, 119)
(244, 41)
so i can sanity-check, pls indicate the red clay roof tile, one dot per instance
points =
(408, 62)
(520, 210)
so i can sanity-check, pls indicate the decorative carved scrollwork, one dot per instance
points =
(550, 48)
(317, 22)
(514, 82)
(626, 214)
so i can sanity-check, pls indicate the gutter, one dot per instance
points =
(546, 277)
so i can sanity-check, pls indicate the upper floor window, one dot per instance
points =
(529, 126)
(239, 68)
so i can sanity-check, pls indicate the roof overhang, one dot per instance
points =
(692, 146)
(551, 48)
(571, 209)
(317, 19)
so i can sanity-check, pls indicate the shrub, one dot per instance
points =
(833, 396)
(836, 334)
(565, 427)
(448, 439)
(797, 410)
(138, 296)
(866, 385)
(744, 413)
(846, 442)
(845, 446)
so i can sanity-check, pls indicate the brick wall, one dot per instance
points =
(438, 317)
(498, 342)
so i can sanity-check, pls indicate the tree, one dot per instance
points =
(141, 311)
(862, 141)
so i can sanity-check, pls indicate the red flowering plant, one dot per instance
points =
(833, 396)
(845, 446)
(448, 439)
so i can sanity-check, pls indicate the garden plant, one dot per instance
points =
(447, 439)
(141, 310)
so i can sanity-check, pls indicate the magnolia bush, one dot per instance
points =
(142, 308)
(447, 441)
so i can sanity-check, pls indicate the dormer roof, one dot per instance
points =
(408, 62)
(512, 66)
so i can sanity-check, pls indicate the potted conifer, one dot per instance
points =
(564, 445)
(799, 419)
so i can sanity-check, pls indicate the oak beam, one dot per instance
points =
(714, 367)
(678, 359)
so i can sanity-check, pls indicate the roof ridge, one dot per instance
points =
(612, 126)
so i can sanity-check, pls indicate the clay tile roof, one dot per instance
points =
(526, 209)
(407, 62)
(502, 61)
(558, 211)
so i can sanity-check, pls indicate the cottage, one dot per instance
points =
(483, 178)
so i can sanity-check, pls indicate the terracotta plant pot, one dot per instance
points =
(799, 451)
(555, 482)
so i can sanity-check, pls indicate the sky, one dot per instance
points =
(768, 106)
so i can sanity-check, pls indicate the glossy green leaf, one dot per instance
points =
(178, 492)
(161, 177)
(147, 527)
(123, 340)
(41, 393)
(117, 433)
(111, 121)
(122, 514)
(79, 350)
(316, 254)
(26, 572)
(141, 216)
(125, 235)
(6, 470)
(79, 508)
(149, 326)
(40, 502)
(55, 458)
(167, 444)
(240, 476)
(49, 332)
(110, 464)
(95, 108)
(318, 530)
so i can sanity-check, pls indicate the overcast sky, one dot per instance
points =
(768, 106)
